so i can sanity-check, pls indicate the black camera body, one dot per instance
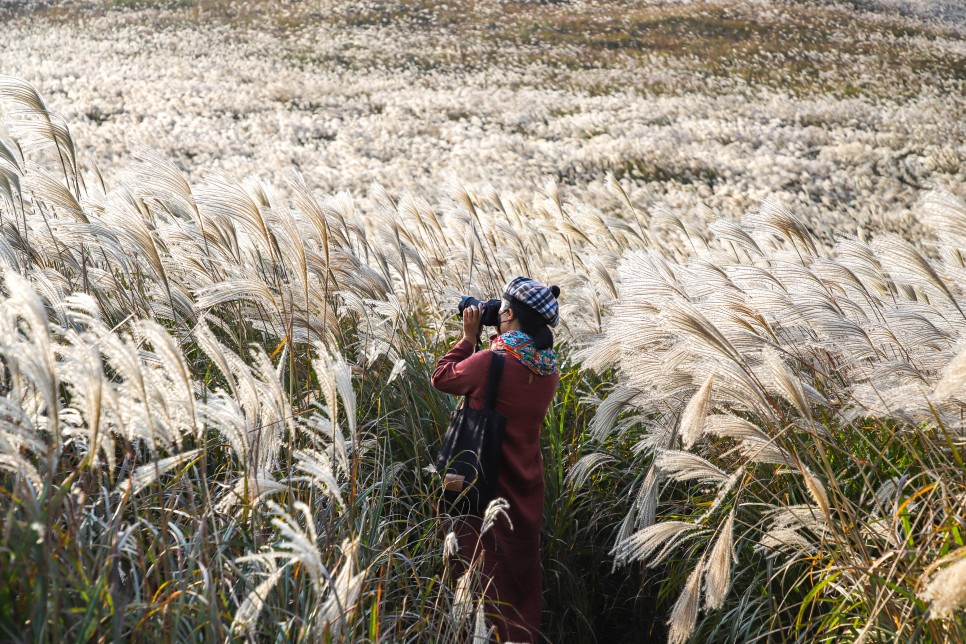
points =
(490, 316)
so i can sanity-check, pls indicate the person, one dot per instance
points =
(509, 553)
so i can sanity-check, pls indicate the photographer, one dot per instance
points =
(510, 556)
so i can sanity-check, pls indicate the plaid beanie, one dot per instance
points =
(539, 297)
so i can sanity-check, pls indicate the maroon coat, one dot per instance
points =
(511, 558)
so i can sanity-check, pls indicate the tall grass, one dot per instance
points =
(217, 420)
(220, 416)
(803, 428)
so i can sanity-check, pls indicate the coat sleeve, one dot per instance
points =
(461, 371)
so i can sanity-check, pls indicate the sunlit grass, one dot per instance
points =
(228, 434)
(803, 48)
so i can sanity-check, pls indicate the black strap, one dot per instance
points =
(492, 380)
(496, 370)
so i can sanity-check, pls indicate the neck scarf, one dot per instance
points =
(520, 345)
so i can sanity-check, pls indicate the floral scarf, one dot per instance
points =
(520, 345)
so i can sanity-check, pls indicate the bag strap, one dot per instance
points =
(492, 380)
(496, 370)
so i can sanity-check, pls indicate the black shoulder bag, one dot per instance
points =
(469, 460)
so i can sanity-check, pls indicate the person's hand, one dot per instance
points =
(471, 322)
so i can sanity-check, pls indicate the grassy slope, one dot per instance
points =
(796, 47)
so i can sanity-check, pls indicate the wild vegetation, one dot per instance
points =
(187, 448)
(843, 115)
(216, 419)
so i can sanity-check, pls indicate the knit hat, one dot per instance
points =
(539, 297)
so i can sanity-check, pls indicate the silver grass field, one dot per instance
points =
(216, 422)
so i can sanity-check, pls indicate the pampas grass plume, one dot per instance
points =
(954, 377)
(946, 591)
(693, 417)
(684, 615)
(496, 508)
(718, 578)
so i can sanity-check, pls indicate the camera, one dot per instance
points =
(490, 316)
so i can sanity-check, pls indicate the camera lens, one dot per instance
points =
(489, 316)
(466, 301)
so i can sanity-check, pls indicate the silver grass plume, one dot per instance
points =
(296, 544)
(786, 382)
(250, 489)
(946, 590)
(326, 435)
(247, 613)
(159, 178)
(662, 432)
(786, 530)
(481, 633)
(764, 450)
(816, 489)
(608, 410)
(954, 377)
(646, 502)
(343, 594)
(172, 359)
(642, 513)
(51, 190)
(246, 395)
(585, 466)
(17, 464)
(495, 509)
(149, 473)
(773, 217)
(684, 615)
(18, 436)
(733, 233)
(233, 290)
(907, 262)
(723, 491)
(34, 127)
(223, 196)
(643, 544)
(318, 470)
(335, 377)
(398, 369)
(693, 417)
(83, 373)
(222, 413)
(687, 319)
(685, 466)
(18, 90)
(451, 546)
(275, 407)
(29, 351)
(624, 532)
(729, 426)
(945, 214)
(463, 596)
(717, 579)
(10, 153)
